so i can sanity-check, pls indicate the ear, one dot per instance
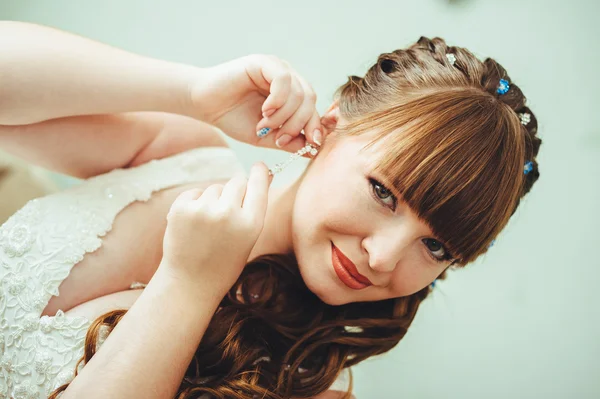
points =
(330, 119)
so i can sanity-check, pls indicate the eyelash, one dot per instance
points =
(373, 182)
(447, 256)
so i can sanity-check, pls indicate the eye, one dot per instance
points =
(383, 195)
(437, 249)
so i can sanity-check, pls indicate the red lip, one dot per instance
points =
(346, 270)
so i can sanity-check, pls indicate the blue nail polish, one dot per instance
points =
(263, 132)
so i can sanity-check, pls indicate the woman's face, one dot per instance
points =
(343, 215)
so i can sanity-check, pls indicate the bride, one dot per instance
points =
(169, 273)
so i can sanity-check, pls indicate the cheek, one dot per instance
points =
(330, 208)
(412, 276)
(323, 211)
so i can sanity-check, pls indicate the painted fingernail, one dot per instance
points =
(283, 140)
(317, 136)
(268, 113)
(263, 132)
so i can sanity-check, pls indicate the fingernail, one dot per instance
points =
(283, 140)
(317, 136)
(268, 113)
(263, 132)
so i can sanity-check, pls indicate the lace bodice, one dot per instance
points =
(40, 244)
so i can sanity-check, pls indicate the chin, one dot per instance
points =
(322, 286)
(328, 296)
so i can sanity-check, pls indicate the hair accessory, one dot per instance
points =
(353, 329)
(503, 87)
(451, 58)
(307, 149)
(525, 118)
(491, 244)
(528, 167)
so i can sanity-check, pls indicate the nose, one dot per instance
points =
(386, 249)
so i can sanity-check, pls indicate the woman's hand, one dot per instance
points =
(210, 234)
(255, 92)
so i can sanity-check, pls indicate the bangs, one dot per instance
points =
(455, 158)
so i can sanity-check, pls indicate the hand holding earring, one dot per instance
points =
(259, 100)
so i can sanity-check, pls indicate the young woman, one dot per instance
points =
(252, 292)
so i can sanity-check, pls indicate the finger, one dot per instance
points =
(312, 127)
(313, 130)
(296, 144)
(269, 141)
(294, 125)
(257, 190)
(233, 192)
(293, 146)
(285, 111)
(212, 193)
(187, 196)
(279, 78)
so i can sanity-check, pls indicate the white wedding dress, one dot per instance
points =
(40, 244)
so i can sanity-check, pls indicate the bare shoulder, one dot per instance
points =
(130, 252)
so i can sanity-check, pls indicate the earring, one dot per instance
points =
(307, 149)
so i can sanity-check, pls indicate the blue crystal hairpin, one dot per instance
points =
(503, 87)
(528, 167)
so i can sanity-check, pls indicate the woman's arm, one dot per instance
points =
(85, 146)
(124, 299)
(148, 352)
(46, 73)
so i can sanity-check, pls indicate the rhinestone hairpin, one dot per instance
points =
(307, 149)
(451, 58)
(525, 118)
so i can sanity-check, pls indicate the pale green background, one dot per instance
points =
(522, 322)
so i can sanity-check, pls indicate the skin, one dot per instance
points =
(336, 202)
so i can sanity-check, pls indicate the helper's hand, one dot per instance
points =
(210, 234)
(255, 92)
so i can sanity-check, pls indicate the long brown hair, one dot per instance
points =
(455, 151)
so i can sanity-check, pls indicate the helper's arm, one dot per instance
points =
(46, 73)
(85, 146)
(73, 105)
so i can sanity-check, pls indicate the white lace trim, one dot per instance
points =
(41, 243)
